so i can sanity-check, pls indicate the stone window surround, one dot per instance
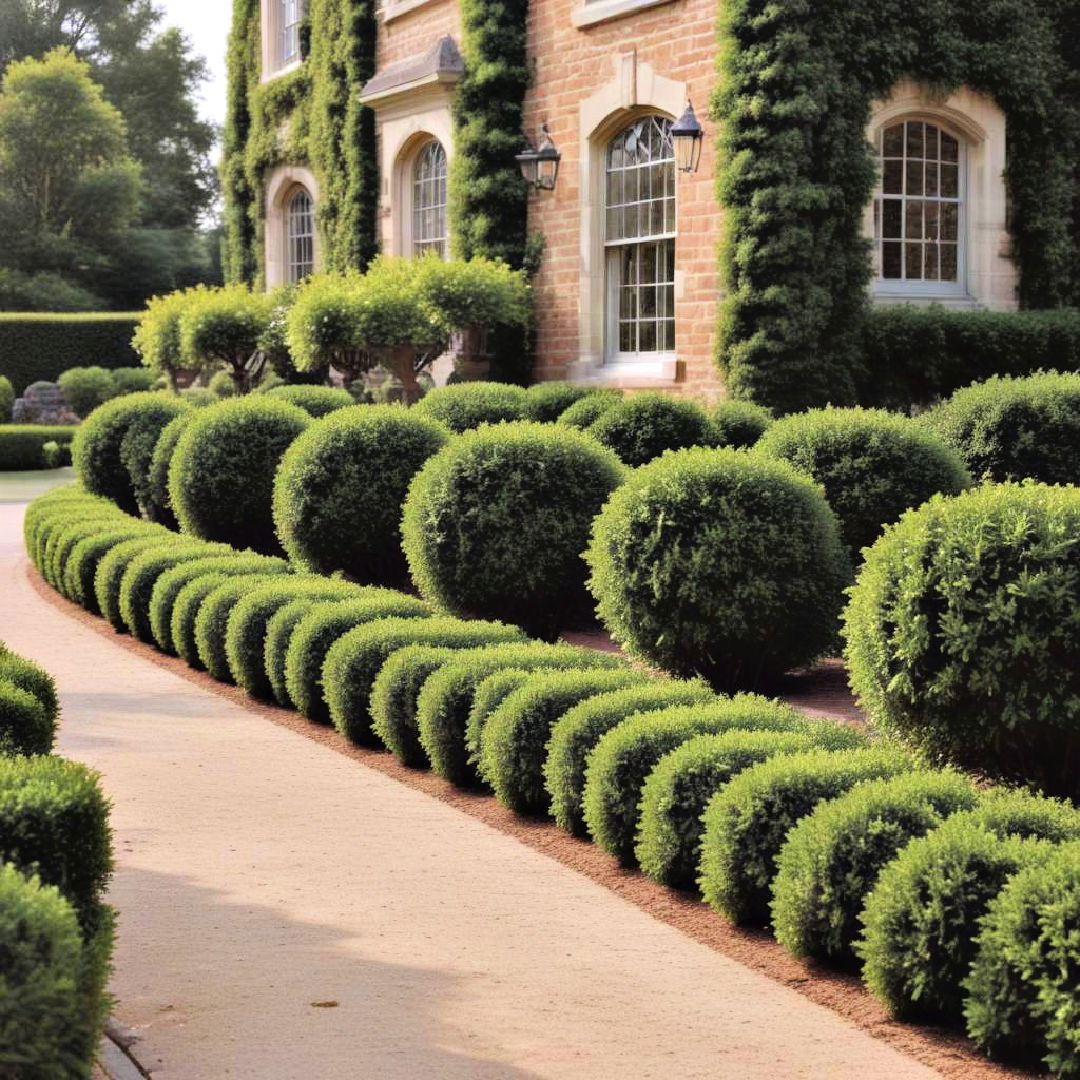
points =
(270, 23)
(281, 185)
(635, 91)
(990, 277)
(590, 12)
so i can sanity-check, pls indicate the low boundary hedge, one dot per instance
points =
(22, 445)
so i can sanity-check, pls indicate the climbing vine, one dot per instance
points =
(798, 79)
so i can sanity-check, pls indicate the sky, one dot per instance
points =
(206, 24)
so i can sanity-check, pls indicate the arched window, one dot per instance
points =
(291, 13)
(639, 237)
(919, 208)
(429, 229)
(300, 235)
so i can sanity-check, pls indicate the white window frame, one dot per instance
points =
(291, 15)
(277, 31)
(294, 264)
(436, 184)
(614, 249)
(922, 288)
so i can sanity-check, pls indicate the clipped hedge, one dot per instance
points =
(25, 727)
(185, 615)
(577, 732)
(547, 401)
(623, 758)
(747, 822)
(446, 698)
(872, 465)
(158, 501)
(678, 790)
(739, 424)
(211, 624)
(37, 682)
(81, 571)
(221, 477)
(495, 524)
(314, 635)
(36, 347)
(1021, 993)
(354, 660)
(584, 412)
(513, 741)
(392, 701)
(110, 573)
(464, 406)
(719, 563)
(643, 426)
(962, 636)
(316, 401)
(341, 485)
(833, 857)
(22, 445)
(1015, 429)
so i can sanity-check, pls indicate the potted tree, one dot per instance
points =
(227, 326)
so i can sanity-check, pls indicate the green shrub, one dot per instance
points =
(40, 346)
(110, 573)
(446, 698)
(623, 758)
(1015, 429)
(7, 399)
(25, 728)
(872, 465)
(739, 424)
(59, 555)
(142, 573)
(392, 702)
(584, 412)
(54, 822)
(495, 523)
(678, 790)
(44, 1028)
(85, 388)
(80, 574)
(133, 380)
(719, 563)
(185, 614)
(56, 455)
(578, 730)
(222, 385)
(314, 635)
(158, 502)
(223, 326)
(463, 406)
(962, 637)
(489, 695)
(748, 820)
(98, 442)
(221, 477)
(212, 621)
(37, 682)
(513, 744)
(1021, 993)
(354, 660)
(21, 445)
(340, 489)
(171, 581)
(547, 401)
(248, 641)
(316, 401)
(643, 426)
(1008, 812)
(833, 857)
(137, 450)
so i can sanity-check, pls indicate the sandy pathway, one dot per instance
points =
(260, 873)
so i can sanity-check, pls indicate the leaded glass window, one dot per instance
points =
(300, 226)
(919, 209)
(639, 236)
(429, 232)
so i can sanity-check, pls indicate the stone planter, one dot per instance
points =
(472, 361)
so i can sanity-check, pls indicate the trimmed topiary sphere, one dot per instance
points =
(643, 426)
(137, 454)
(873, 465)
(721, 564)
(1021, 994)
(96, 450)
(25, 726)
(158, 503)
(962, 635)
(589, 409)
(547, 401)
(1015, 428)
(221, 479)
(833, 857)
(37, 682)
(740, 424)
(341, 486)
(316, 401)
(496, 522)
(463, 406)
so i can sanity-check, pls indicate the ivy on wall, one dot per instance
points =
(309, 116)
(798, 79)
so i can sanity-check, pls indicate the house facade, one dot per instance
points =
(629, 286)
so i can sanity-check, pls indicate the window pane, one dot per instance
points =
(893, 178)
(930, 269)
(950, 181)
(931, 178)
(891, 255)
(950, 221)
(892, 218)
(893, 141)
(949, 262)
(429, 200)
(914, 178)
(915, 139)
(647, 337)
(950, 148)
(914, 261)
(914, 224)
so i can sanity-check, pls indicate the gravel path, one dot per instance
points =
(286, 912)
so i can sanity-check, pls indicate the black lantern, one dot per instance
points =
(687, 135)
(540, 167)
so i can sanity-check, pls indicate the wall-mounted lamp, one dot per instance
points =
(540, 166)
(687, 136)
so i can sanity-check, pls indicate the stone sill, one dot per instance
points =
(601, 11)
